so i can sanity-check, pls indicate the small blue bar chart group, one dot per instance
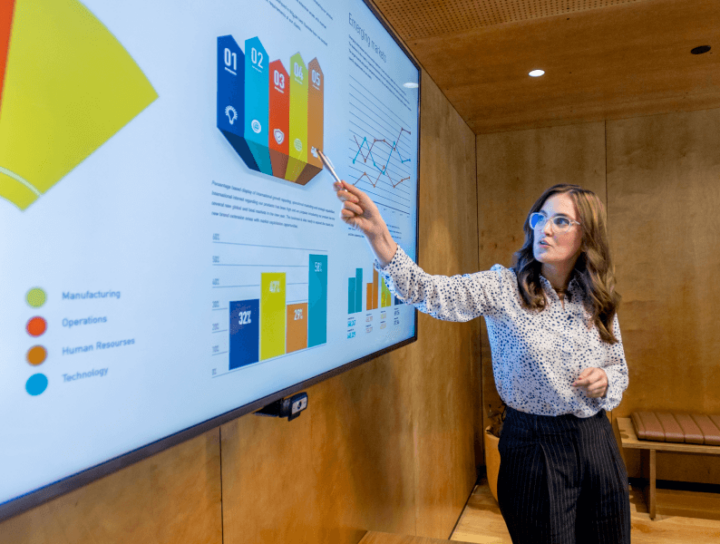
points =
(377, 297)
(374, 290)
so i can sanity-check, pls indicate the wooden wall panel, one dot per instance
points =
(513, 169)
(663, 190)
(387, 446)
(446, 379)
(664, 197)
(346, 465)
(171, 497)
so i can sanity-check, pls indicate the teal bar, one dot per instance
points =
(317, 300)
(257, 103)
(351, 295)
(358, 289)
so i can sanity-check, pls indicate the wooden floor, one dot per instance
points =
(481, 522)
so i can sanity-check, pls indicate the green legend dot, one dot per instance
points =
(36, 297)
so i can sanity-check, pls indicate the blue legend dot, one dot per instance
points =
(36, 384)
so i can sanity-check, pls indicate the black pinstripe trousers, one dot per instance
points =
(562, 480)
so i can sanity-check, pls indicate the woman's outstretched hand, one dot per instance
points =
(360, 212)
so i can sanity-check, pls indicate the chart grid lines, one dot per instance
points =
(379, 155)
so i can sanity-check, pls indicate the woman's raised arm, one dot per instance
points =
(456, 298)
(360, 212)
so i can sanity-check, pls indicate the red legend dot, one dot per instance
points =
(36, 326)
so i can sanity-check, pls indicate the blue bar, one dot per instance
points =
(231, 97)
(397, 301)
(244, 333)
(351, 295)
(358, 289)
(257, 103)
(317, 303)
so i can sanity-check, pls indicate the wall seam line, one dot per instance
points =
(607, 214)
(222, 519)
(481, 415)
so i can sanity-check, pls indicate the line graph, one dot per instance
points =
(369, 155)
(380, 150)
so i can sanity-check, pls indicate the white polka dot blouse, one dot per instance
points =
(536, 355)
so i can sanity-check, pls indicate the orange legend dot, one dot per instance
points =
(36, 355)
(36, 326)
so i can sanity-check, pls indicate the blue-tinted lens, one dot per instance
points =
(537, 219)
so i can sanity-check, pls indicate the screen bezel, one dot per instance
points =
(75, 481)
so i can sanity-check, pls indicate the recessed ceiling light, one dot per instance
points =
(536, 73)
(700, 50)
(410, 85)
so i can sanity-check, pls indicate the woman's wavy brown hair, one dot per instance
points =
(594, 270)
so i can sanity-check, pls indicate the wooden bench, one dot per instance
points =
(631, 441)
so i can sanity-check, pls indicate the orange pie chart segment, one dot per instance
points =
(6, 13)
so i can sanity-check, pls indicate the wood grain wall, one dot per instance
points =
(664, 216)
(388, 446)
(660, 179)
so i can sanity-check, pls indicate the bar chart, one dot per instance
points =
(274, 306)
(269, 327)
(377, 293)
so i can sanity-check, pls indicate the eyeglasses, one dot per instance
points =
(560, 223)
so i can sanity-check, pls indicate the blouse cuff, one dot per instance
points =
(613, 392)
(394, 264)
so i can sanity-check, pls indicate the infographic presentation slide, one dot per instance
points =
(172, 248)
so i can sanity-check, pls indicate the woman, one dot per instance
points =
(558, 361)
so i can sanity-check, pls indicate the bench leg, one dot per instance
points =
(653, 475)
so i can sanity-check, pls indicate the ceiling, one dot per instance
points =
(603, 59)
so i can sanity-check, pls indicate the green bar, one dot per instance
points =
(358, 289)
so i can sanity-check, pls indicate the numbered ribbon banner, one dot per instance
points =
(273, 120)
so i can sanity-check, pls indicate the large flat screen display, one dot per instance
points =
(172, 252)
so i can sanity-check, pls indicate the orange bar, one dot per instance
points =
(368, 304)
(297, 329)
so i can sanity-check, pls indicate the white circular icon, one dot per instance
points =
(256, 126)
(298, 144)
(279, 136)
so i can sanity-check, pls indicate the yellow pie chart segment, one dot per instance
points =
(69, 86)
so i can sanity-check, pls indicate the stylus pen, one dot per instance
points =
(326, 162)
